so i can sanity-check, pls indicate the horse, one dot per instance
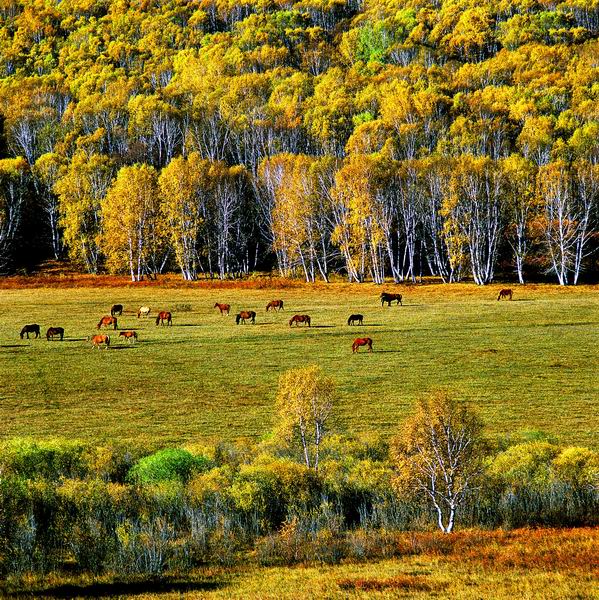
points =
(297, 319)
(52, 331)
(33, 328)
(505, 293)
(99, 340)
(353, 318)
(275, 305)
(143, 311)
(388, 298)
(117, 309)
(224, 308)
(361, 342)
(130, 336)
(107, 321)
(163, 316)
(245, 314)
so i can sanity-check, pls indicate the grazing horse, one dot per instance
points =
(130, 336)
(33, 328)
(388, 298)
(117, 309)
(275, 305)
(353, 318)
(361, 342)
(52, 331)
(143, 311)
(297, 319)
(163, 316)
(107, 321)
(224, 308)
(99, 340)
(245, 314)
(505, 293)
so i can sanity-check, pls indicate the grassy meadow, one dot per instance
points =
(527, 364)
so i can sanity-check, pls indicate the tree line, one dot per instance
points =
(400, 139)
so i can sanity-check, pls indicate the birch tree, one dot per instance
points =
(439, 456)
(304, 404)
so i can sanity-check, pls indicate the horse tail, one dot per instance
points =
(499, 297)
(158, 319)
(237, 319)
(99, 324)
(107, 341)
(281, 305)
(349, 321)
(309, 321)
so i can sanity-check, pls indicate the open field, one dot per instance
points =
(528, 364)
(554, 564)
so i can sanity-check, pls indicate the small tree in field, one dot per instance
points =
(439, 453)
(304, 403)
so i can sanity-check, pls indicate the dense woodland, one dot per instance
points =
(372, 139)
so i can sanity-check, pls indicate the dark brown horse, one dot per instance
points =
(117, 309)
(505, 293)
(224, 308)
(388, 298)
(163, 316)
(54, 331)
(245, 314)
(100, 340)
(355, 318)
(130, 336)
(275, 305)
(33, 328)
(297, 319)
(361, 342)
(107, 322)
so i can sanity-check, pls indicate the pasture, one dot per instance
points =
(531, 363)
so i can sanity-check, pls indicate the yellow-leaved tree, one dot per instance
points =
(304, 404)
(133, 234)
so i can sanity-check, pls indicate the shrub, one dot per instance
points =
(167, 465)
(51, 459)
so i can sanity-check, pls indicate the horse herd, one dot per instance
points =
(165, 317)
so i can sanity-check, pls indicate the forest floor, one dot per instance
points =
(528, 364)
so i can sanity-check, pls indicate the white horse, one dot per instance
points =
(143, 311)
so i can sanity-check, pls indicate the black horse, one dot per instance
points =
(355, 318)
(33, 328)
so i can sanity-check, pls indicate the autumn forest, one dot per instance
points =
(368, 139)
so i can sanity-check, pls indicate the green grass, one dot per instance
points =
(527, 364)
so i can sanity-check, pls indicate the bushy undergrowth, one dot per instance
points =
(134, 512)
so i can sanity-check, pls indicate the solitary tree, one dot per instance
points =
(439, 453)
(304, 403)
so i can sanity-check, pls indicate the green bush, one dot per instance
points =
(170, 464)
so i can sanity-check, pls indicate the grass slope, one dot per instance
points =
(529, 363)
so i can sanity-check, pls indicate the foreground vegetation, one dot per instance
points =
(554, 564)
(527, 364)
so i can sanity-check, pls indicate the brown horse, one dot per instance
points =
(33, 328)
(163, 316)
(224, 308)
(505, 293)
(245, 314)
(275, 305)
(100, 340)
(355, 318)
(143, 311)
(130, 336)
(53, 331)
(297, 319)
(117, 309)
(107, 321)
(388, 298)
(361, 342)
